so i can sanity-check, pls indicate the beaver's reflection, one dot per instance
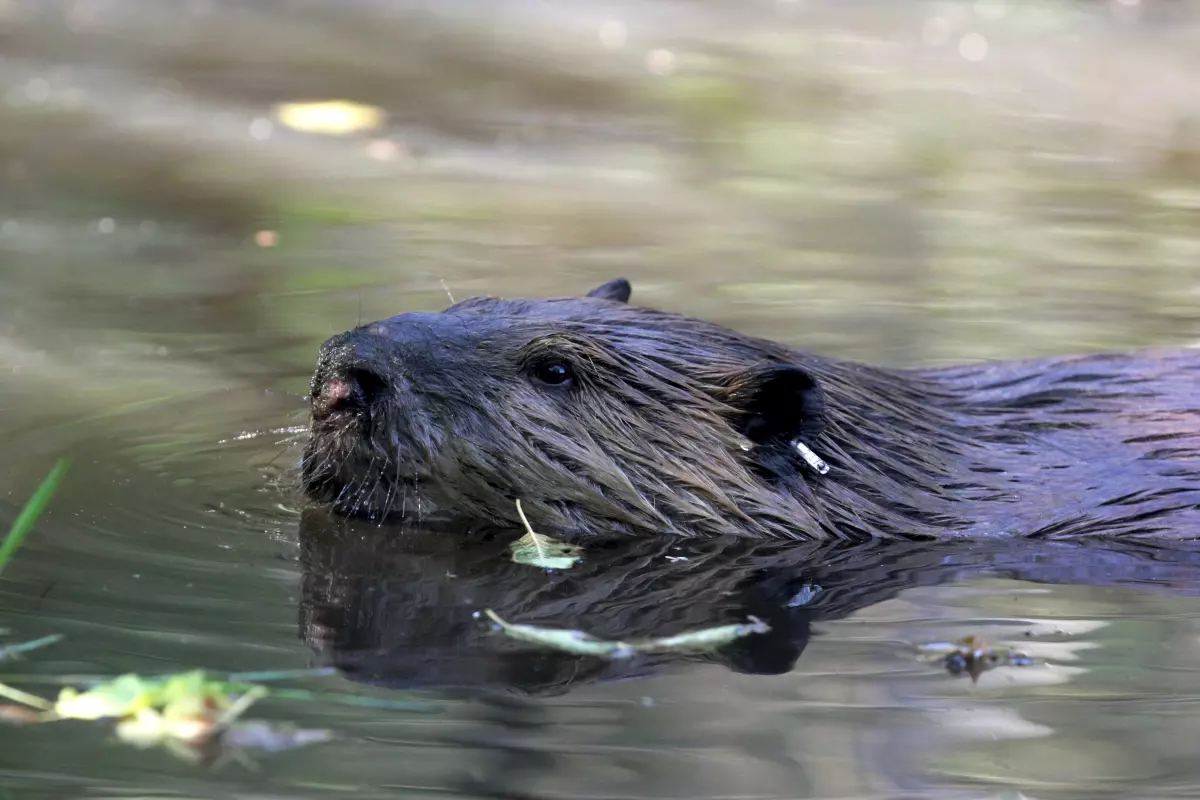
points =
(399, 607)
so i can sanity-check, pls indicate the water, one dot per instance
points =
(845, 179)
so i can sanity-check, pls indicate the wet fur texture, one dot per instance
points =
(675, 426)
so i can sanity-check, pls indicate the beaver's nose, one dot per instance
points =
(349, 376)
(352, 389)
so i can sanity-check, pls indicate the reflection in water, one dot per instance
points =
(400, 607)
(770, 715)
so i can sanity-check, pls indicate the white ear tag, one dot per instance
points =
(812, 459)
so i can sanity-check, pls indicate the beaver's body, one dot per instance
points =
(602, 417)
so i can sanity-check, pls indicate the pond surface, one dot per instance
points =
(158, 557)
(864, 184)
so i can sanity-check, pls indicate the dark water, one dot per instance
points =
(841, 177)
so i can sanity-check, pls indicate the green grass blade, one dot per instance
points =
(32, 510)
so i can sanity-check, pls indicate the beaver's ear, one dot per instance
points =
(617, 290)
(779, 404)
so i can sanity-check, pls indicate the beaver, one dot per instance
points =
(604, 417)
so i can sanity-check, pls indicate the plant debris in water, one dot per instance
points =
(189, 713)
(192, 714)
(537, 550)
(584, 644)
(971, 655)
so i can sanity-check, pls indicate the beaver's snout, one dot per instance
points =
(349, 378)
(353, 390)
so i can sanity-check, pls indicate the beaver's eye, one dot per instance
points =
(552, 373)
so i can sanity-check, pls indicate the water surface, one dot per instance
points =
(843, 179)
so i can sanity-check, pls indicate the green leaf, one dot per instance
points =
(119, 697)
(541, 551)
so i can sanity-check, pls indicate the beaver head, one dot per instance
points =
(602, 417)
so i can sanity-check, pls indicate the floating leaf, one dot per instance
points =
(541, 551)
(148, 728)
(187, 718)
(184, 693)
(117, 698)
(190, 714)
(584, 644)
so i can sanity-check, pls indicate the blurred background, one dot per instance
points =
(911, 182)
(195, 193)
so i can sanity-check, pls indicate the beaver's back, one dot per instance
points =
(1092, 445)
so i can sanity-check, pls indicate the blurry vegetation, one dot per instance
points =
(959, 180)
(194, 715)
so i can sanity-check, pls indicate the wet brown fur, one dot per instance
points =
(651, 436)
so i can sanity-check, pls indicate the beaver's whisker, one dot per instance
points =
(417, 491)
(338, 501)
(393, 493)
(360, 494)
(374, 491)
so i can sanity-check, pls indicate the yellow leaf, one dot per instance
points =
(118, 698)
(541, 551)
(333, 118)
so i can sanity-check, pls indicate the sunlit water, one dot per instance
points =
(903, 203)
